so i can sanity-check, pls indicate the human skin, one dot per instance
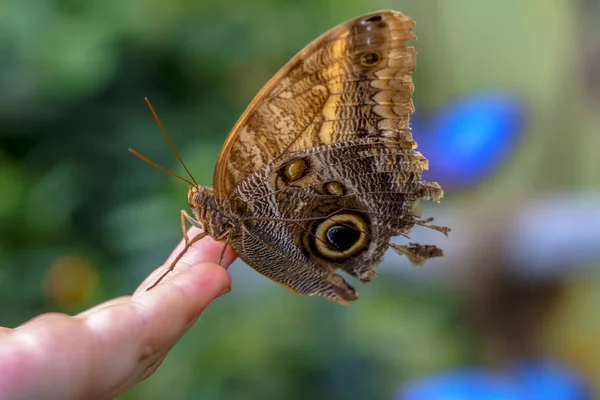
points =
(107, 349)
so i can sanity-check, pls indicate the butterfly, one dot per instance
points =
(321, 171)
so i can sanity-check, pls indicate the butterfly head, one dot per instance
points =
(201, 197)
(212, 214)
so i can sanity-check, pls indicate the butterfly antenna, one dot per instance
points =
(169, 141)
(155, 165)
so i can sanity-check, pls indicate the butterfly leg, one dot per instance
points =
(224, 248)
(194, 222)
(184, 216)
(187, 246)
(188, 243)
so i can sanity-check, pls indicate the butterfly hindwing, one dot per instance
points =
(328, 208)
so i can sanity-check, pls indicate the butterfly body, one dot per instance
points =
(321, 171)
(216, 217)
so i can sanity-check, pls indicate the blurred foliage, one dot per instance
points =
(75, 203)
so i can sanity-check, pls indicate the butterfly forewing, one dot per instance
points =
(353, 81)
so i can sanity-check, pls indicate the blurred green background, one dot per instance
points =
(82, 220)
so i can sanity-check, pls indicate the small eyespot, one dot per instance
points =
(369, 58)
(295, 170)
(334, 189)
(374, 18)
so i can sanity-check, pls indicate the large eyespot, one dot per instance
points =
(295, 170)
(369, 58)
(339, 236)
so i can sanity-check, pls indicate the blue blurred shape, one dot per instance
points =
(526, 381)
(549, 381)
(461, 385)
(470, 137)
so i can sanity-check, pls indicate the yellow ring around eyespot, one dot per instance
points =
(344, 219)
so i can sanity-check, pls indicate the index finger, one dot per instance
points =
(195, 281)
(140, 331)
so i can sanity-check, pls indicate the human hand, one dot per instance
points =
(105, 350)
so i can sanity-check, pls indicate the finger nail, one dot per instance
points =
(226, 290)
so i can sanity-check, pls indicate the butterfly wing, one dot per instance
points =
(332, 207)
(355, 79)
(324, 162)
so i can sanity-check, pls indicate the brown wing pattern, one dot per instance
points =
(353, 81)
(362, 189)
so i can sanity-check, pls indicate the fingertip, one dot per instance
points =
(209, 250)
(203, 282)
(206, 250)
